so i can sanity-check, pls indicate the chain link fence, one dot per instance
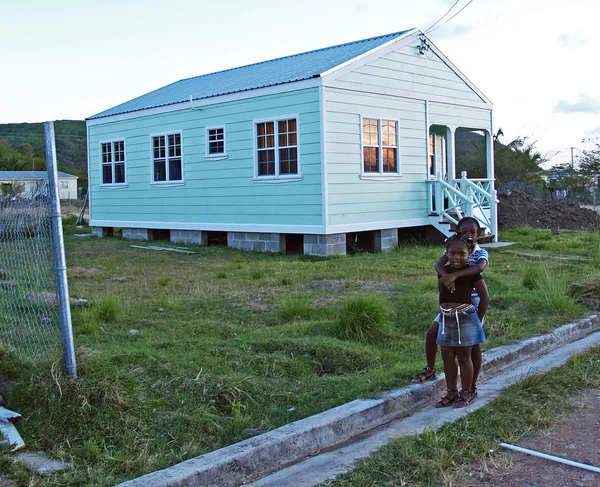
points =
(29, 323)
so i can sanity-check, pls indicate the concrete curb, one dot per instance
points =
(261, 455)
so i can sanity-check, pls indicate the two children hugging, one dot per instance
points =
(463, 299)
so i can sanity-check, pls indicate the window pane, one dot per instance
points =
(389, 160)
(119, 150)
(370, 132)
(159, 147)
(175, 145)
(288, 161)
(106, 174)
(174, 169)
(160, 170)
(371, 159)
(119, 173)
(216, 148)
(270, 127)
(388, 133)
(266, 163)
(106, 153)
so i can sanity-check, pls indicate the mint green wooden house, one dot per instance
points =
(309, 152)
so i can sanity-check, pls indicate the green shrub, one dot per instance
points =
(362, 317)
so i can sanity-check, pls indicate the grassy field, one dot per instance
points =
(180, 354)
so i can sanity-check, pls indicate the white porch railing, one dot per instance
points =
(465, 197)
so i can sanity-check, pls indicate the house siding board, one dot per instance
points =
(214, 191)
(353, 200)
(405, 70)
(467, 117)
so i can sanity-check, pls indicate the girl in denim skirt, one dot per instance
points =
(460, 327)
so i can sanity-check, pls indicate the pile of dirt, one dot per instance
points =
(518, 208)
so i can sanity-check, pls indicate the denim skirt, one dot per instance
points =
(460, 329)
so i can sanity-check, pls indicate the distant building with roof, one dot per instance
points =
(311, 152)
(32, 180)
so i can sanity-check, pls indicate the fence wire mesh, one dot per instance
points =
(29, 323)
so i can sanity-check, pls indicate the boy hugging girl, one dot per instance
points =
(458, 329)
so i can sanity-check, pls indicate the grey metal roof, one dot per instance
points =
(267, 73)
(32, 175)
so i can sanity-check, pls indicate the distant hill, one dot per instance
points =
(71, 147)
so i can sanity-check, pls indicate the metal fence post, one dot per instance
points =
(58, 254)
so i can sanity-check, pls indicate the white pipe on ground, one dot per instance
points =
(551, 457)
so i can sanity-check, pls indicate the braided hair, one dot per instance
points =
(468, 242)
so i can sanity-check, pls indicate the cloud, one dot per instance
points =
(593, 132)
(572, 41)
(584, 104)
(360, 8)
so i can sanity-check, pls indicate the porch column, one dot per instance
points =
(489, 159)
(450, 155)
(489, 154)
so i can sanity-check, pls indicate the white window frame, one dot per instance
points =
(167, 181)
(215, 155)
(379, 174)
(63, 185)
(277, 177)
(113, 163)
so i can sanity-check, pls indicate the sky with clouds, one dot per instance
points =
(70, 59)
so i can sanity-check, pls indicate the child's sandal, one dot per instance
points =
(425, 376)
(447, 400)
(464, 399)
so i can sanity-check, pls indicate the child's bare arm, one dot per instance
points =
(440, 265)
(471, 270)
(484, 298)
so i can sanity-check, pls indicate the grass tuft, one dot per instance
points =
(362, 317)
(106, 310)
(535, 276)
(294, 307)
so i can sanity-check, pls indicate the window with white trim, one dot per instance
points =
(166, 158)
(113, 162)
(63, 184)
(380, 146)
(277, 148)
(215, 141)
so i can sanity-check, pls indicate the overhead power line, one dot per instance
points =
(448, 20)
(438, 20)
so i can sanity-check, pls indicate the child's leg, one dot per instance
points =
(451, 372)
(430, 353)
(466, 367)
(476, 358)
(431, 345)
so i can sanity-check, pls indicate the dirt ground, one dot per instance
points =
(519, 208)
(575, 437)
